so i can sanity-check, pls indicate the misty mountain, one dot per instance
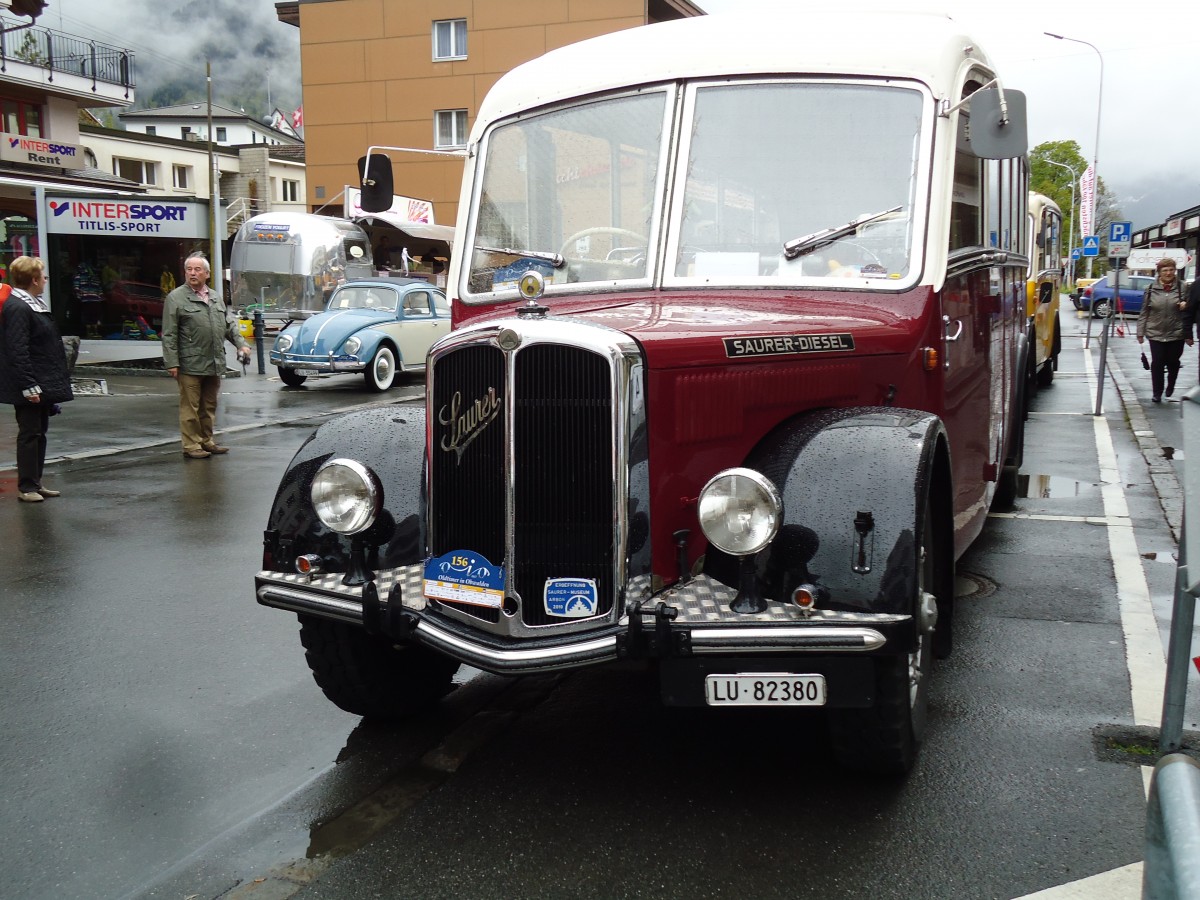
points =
(253, 54)
(1151, 201)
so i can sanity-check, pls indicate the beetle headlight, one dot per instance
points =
(352, 345)
(740, 511)
(346, 496)
(283, 343)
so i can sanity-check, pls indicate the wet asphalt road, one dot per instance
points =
(163, 737)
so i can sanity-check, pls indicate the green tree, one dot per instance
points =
(1055, 182)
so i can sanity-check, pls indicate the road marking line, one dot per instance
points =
(1124, 883)
(1046, 517)
(1144, 655)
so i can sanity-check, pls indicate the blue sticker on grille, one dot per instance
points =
(463, 576)
(571, 598)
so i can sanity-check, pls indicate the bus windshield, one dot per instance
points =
(777, 183)
(795, 182)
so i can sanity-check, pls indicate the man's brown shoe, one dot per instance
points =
(197, 454)
(215, 449)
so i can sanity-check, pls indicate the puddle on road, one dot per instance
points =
(1046, 486)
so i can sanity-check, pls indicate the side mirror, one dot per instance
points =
(998, 131)
(376, 182)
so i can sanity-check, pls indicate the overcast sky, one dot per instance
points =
(1149, 136)
(1149, 128)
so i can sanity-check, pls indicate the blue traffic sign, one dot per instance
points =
(1076, 252)
(1119, 231)
(1091, 245)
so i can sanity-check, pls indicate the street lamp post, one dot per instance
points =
(1071, 234)
(1099, 107)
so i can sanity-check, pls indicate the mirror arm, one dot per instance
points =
(946, 110)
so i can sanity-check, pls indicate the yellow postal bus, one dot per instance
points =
(1043, 288)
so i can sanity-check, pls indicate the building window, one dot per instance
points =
(151, 130)
(138, 170)
(450, 128)
(21, 117)
(289, 191)
(181, 176)
(185, 131)
(220, 134)
(450, 39)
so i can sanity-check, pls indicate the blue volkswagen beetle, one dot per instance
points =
(377, 326)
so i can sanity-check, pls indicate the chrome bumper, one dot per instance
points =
(702, 607)
(324, 364)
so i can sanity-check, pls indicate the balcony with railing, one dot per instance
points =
(64, 64)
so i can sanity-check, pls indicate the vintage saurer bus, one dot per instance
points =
(739, 352)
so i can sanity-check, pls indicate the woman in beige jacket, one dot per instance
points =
(1161, 321)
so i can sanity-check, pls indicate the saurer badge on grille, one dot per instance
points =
(784, 344)
(463, 576)
(463, 422)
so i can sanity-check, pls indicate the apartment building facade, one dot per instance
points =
(412, 73)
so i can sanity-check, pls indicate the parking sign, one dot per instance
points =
(1120, 236)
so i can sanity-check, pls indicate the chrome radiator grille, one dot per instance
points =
(557, 420)
(563, 449)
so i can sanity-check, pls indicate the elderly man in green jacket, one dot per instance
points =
(196, 325)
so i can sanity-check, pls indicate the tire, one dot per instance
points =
(1102, 309)
(370, 676)
(1045, 375)
(884, 739)
(290, 378)
(1007, 485)
(1031, 374)
(381, 373)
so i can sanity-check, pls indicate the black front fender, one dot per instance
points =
(391, 442)
(854, 484)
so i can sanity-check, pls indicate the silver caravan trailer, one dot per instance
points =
(287, 264)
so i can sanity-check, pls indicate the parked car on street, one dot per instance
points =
(1081, 284)
(1099, 297)
(377, 326)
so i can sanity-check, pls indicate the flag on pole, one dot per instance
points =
(1087, 200)
(298, 117)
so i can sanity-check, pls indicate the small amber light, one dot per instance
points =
(309, 564)
(931, 359)
(804, 598)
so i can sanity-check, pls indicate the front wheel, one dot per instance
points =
(370, 676)
(381, 373)
(1046, 372)
(1102, 309)
(290, 378)
(884, 738)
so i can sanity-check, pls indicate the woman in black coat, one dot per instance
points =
(33, 371)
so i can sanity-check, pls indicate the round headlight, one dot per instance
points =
(346, 496)
(740, 511)
(352, 345)
(283, 342)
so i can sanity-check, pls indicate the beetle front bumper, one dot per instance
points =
(326, 365)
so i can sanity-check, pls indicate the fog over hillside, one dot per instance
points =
(250, 49)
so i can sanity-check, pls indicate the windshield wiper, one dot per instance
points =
(818, 239)
(555, 259)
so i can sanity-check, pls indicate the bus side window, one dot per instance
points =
(966, 206)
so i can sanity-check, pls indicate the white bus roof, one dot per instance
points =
(926, 47)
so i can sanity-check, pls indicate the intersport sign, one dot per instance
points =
(144, 217)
